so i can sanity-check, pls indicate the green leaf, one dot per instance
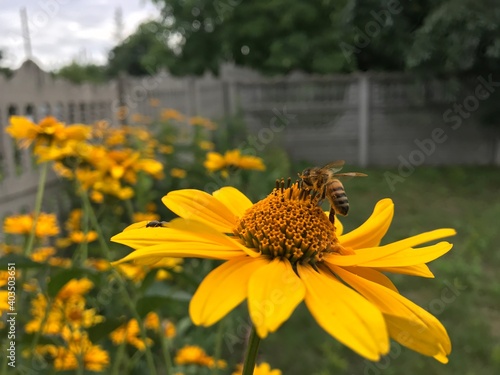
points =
(19, 260)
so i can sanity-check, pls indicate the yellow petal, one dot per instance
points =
(362, 256)
(274, 292)
(223, 289)
(393, 255)
(410, 257)
(373, 275)
(441, 358)
(203, 207)
(183, 238)
(394, 304)
(413, 336)
(417, 270)
(425, 237)
(372, 230)
(233, 199)
(344, 314)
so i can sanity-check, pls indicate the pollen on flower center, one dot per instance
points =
(289, 224)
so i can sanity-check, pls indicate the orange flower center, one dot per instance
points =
(289, 224)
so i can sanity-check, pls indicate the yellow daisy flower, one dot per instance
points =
(283, 250)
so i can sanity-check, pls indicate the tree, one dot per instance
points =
(272, 36)
(142, 53)
(459, 38)
(445, 37)
(78, 73)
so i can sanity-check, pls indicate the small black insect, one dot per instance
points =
(155, 224)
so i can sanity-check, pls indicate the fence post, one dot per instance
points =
(364, 119)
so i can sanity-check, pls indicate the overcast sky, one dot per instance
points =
(63, 30)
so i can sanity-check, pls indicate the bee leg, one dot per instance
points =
(332, 216)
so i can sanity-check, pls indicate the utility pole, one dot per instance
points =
(121, 80)
(26, 34)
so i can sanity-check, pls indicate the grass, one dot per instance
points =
(465, 295)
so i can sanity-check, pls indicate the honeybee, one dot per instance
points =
(325, 181)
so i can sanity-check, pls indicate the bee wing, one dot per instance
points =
(335, 166)
(349, 175)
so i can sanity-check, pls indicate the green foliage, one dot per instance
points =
(79, 73)
(142, 53)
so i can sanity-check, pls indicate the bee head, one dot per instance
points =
(306, 172)
(305, 176)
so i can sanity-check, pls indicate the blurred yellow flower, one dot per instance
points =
(232, 159)
(165, 149)
(145, 216)
(115, 137)
(195, 355)
(262, 369)
(133, 272)
(79, 236)
(46, 225)
(203, 122)
(98, 264)
(62, 170)
(77, 348)
(154, 102)
(4, 301)
(178, 173)
(41, 254)
(152, 321)
(59, 262)
(171, 114)
(66, 309)
(129, 333)
(206, 145)
(96, 196)
(163, 275)
(75, 287)
(169, 329)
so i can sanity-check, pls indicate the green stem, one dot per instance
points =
(166, 353)
(81, 366)
(218, 346)
(95, 224)
(118, 360)
(251, 356)
(38, 207)
(131, 305)
(123, 290)
(83, 249)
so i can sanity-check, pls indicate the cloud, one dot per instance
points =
(64, 30)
